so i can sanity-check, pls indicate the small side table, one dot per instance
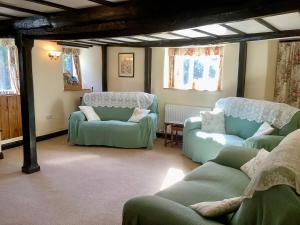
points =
(175, 127)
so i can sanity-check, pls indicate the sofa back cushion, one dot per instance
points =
(114, 113)
(240, 127)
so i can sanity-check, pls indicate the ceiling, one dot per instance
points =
(143, 23)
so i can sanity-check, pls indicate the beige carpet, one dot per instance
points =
(82, 185)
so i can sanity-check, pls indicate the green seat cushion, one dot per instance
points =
(294, 124)
(240, 127)
(114, 113)
(209, 182)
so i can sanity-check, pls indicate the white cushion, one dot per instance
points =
(217, 208)
(89, 113)
(138, 114)
(213, 121)
(252, 166)
(264, 129)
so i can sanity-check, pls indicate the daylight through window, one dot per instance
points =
(195, 68)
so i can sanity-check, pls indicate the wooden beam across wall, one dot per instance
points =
(135, 18)
(242, 69)
(148, 66)
(30, 164)
(104, 68)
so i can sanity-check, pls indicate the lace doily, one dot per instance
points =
(119, 99)
(276, 114)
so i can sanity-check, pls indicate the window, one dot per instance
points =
(9, 78)
(71, 69)
(195, 68)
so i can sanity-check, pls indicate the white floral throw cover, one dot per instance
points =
(276, 114)
(119, 99)
(281, 167)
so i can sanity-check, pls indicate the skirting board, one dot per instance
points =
(39, 138)
(60, 133)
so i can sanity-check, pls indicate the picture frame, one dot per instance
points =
(126, 65)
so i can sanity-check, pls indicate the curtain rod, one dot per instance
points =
(290, 40)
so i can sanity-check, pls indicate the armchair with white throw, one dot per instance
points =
(242, 120)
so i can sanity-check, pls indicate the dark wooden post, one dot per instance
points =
(148, 64)
(104, 68)
(242, 69)
(25, 45)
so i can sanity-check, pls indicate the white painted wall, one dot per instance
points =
(91, 68)
(261, 69)
(116, 83)
(53, 105)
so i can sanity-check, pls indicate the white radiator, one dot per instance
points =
(179, 113)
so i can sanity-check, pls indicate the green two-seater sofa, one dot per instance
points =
(201, 146)
(215, 180)
(114, 129)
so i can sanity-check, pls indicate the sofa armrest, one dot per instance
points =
(267, 142)
(192, 123)
(77, 116)
(234, 156)
(149, 124)
(74, 120)
(155, 210)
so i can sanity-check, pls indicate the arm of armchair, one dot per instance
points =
(150, 210)
(267, 142)
(234, 156)
(74, 120)
(192, 123)
(149, 124)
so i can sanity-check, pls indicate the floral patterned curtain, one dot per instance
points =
(200, 51)
(287, 83)
(13, 65)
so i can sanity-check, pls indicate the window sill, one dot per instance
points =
(192, 90)
(83, 89)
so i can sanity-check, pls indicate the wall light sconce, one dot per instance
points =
(54, 55)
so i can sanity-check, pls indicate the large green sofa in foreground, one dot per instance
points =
(215, 180)
(202, 146)
(114, 129)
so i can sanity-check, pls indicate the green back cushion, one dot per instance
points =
(294, 124)
(114, 113)
(240, 127)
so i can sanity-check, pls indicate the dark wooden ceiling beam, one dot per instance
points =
(106, 41)
(85, 43)
(211, 40)
(106, 3)
(134, 18)
(20, 9)
(266, 24)
(232, 29)
(51, 4)
(205, 32)
(72, 44)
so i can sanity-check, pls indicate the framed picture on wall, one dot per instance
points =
(126, 64)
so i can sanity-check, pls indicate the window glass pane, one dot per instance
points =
(5, 82)
(213, 67)
(198, 69)
(186, 68)
(68, 64)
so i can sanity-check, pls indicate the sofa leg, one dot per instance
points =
(1, 155)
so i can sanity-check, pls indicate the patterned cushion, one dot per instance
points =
(213, 121)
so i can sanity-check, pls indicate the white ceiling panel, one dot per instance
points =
(146, 38)
(166, 36)
(91, 41)
(108, 40)
(75, 3)
(190, 33)
(290, 21)
(124, 39)
(14, 12)
(249, 27)
(30, 5)
(216, 29)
